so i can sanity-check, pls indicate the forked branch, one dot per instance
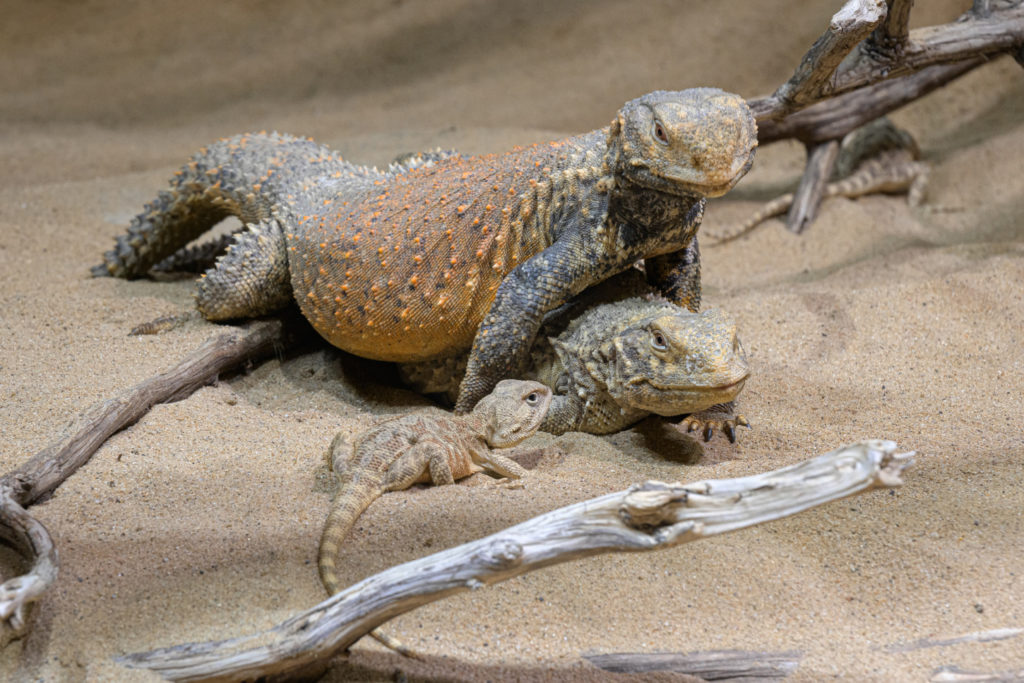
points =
(892, 53)
(866, 64)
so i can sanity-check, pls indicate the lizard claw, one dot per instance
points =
(707, 422)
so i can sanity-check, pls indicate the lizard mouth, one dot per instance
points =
(682, 187)
(643, 394)
(644, 381)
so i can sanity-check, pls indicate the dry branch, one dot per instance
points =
(50, 467)
(865, 65)
(890, 37)
(973, 35)
(834, 118)
(650, 516)
(849, 26)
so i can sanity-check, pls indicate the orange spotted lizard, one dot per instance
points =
(456, 253)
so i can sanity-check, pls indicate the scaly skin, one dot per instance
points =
(615, 355)
(875, 158)
(426, 447)
(423, 262)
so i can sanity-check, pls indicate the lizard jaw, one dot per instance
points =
(642, 394)
(642, 174)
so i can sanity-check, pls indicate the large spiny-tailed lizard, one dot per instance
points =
(464, 252)
(618, 353)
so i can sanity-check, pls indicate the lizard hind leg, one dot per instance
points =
(422, 460)
(251, 278)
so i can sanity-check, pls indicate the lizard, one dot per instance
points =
(875, 158)
(425, 447)
(618, 353)
(464, 252)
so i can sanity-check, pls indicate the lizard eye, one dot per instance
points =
(659, 133)
(658, 340)
(532, 399)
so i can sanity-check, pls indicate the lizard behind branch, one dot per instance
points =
(875, 158)
(426, 447)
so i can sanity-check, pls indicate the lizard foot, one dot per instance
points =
(707, 422)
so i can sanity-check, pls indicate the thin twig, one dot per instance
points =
(954, 674)
(821, 159)
(711, 665)
(646, 517)
(975, 637)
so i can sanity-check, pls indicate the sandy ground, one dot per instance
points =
(201, 521)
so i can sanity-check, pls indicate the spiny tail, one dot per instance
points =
(232, 177)
(875, 176)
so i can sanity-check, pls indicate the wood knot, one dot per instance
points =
(651, 505)
(502, 554)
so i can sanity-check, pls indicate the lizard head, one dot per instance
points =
(699, 141)
(513, 411)
(676, 362)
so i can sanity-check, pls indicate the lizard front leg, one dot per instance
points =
(502, 344)
(677, 275)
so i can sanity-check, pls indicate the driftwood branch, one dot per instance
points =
(890, 38)
(817, 78)
(811, 81)
(54, 464)
(834, 118)
(866, 64)
(651, 516)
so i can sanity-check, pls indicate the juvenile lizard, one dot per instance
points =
(426, 262)
(426, 447)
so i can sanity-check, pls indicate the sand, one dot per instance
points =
(201, 521)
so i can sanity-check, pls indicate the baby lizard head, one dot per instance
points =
(699, 141)
(676, 362)
(513, 411)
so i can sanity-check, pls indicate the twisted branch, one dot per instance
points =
(867, 64)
